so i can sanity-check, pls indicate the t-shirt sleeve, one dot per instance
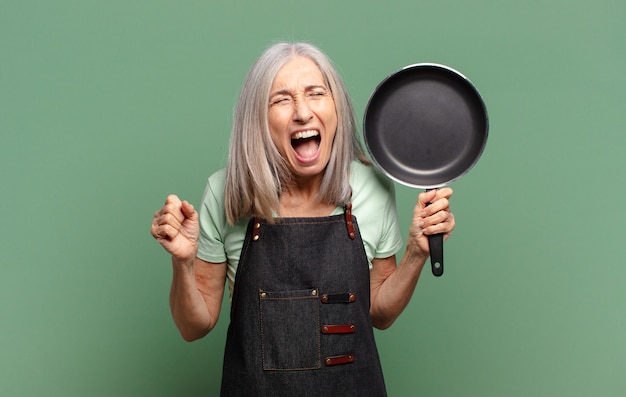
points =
(374, 205)
(212, 220)
(391, 240)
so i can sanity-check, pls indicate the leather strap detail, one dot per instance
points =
(336, 360)
(338, 329)
(348, 212)
(256, 229)
(347, 297)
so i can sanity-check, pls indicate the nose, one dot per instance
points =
(302, 111)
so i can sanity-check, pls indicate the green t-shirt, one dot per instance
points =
(373, 205)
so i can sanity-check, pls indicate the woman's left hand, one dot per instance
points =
(431, 215)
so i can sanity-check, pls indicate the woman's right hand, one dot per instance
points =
(175, 226)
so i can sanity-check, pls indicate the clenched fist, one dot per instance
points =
(175, 226)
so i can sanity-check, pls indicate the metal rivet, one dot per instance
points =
(314, 292)
(263, 295)
(352, 297)
(352, 327)
(325, 329)
(257, 225)
(328, 361)
(351, 358)
(255, 237)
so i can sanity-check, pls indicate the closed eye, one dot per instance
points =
(316, 92)
(281, 100)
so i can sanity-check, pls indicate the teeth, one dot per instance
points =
(305, 134)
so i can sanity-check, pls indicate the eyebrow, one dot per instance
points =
(289, 92)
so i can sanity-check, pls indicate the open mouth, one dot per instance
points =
(306, 143)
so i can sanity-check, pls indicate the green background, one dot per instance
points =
(108, 106)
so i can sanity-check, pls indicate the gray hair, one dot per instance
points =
(256, 173)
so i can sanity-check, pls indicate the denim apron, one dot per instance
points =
(299, 320)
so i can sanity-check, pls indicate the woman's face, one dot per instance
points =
(302, 117)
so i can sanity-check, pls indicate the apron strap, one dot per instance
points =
(347, 210)
(256, 228)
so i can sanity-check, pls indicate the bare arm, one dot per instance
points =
(197, 286)
(196, 296)
(392, 286)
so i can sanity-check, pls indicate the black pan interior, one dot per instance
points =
(425, 125)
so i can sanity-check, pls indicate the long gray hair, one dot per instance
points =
(256, 173)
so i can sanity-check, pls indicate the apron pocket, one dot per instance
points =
(290, 329)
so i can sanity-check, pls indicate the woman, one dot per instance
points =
(306, 233)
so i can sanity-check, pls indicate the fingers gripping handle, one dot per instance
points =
(435, 242)
(435, 245)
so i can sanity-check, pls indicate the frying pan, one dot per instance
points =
(425, 126)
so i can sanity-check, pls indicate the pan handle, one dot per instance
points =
(435, 243)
